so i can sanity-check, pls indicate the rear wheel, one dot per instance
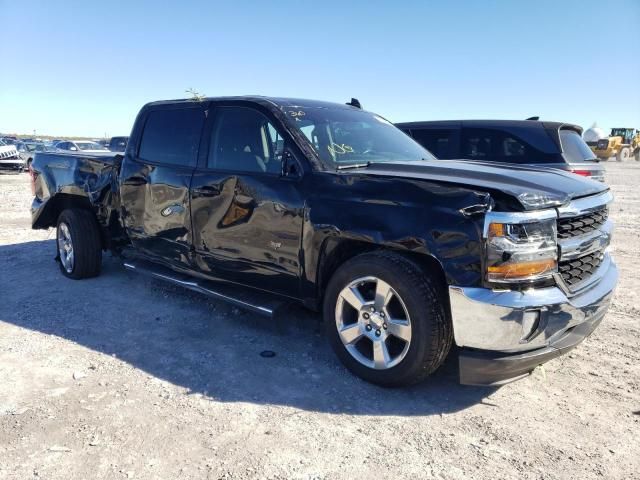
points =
(623, 155)
(78, 244)
(386, 319)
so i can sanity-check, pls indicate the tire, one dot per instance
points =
(29, 164)
(637, 155)
(413, 294)
(623, 155)
(77, 232)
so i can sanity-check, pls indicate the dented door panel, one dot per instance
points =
(247, 229)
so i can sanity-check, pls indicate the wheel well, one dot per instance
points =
(336, 254)
(64, 201)
(55, 206)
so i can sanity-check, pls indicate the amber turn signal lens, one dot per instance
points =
(496, 230)
(522, 269)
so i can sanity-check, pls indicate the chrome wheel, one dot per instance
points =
(373, 323)
(65, 247)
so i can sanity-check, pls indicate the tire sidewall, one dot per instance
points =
(623, 155)
(63, 219)
(421, 315)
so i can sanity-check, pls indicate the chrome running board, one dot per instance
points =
(243, 297)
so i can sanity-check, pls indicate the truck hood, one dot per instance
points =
(533, 187)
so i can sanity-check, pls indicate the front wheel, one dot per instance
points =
(637, 155)
(78, 244)
(386, 319)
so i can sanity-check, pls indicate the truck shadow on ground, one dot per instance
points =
(206, 346)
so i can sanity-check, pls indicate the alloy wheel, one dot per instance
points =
(373, 323)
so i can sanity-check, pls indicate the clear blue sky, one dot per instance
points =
(86, 67)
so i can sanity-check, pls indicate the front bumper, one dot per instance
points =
(12, 163)
(505, 334)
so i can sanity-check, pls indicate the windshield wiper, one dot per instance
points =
(353, 165)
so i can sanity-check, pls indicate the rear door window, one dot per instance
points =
(438, 142)
(574, 148)
(496, 145)
(172, 136)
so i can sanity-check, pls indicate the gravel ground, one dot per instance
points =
(123, 377)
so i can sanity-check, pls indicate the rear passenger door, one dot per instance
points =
(247, 217)
(155, 179)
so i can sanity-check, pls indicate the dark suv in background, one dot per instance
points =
(530, 142)
(118, 144)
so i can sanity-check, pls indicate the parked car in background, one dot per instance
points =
(118, 144)
(27, 151)
(333, 207)
(84, 146)
(9, 156)
(529, 142)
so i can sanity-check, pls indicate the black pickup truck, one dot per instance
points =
(266, 201)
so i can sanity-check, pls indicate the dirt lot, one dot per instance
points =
(123, 377)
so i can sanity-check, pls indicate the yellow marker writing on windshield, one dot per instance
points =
(339, 149)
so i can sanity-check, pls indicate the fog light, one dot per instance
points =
(530, 322)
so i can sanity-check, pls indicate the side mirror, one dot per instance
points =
(290, 166)
(73, 149)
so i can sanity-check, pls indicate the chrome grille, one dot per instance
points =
(582, 224)
(576, 271)
(584, 232)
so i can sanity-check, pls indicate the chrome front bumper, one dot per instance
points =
(11, 162)
(522, 325)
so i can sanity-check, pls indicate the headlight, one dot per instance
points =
(520, 249)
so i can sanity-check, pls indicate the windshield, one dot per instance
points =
(574, 148)
(89, 146)
(34, 147)
(344, 136)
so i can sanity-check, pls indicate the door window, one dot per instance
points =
(437, 142)
(497, 145)
(172, 136)
(244, 140)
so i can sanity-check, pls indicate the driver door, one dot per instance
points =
(247, 218)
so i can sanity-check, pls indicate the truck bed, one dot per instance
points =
(59, 175)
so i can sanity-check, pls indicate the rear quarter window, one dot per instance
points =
(574, 148)
(172, 136)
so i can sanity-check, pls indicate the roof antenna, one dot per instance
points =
(355, 103)
(533, 118)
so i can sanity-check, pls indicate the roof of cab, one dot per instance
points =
(280, 102)
(490, 123)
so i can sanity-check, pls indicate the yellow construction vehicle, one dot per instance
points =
(623, 143)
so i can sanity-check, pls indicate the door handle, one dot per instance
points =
(206, 191)
(135, 181)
